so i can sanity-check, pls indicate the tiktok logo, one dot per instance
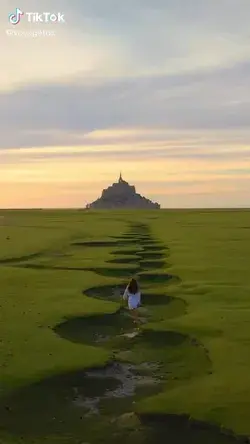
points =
(36, 17)
(15, 18)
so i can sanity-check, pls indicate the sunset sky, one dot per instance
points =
(159, 89)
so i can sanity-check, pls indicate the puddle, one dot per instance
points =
(129, 380)
(96, 329)
(106, 292)
(124, 260)
(115, 272)
(101, 339)
(157, 299)
(131, 335)
(91, 404)
(151, 255)
(129, 252)
(161, 278)
(156, 248)
(101, 243)
(146, 264)
(173, 429)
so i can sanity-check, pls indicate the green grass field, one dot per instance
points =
(61, 317)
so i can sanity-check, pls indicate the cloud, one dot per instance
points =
(162, 34)
(210, 100)
(149, 63)
(71, 51)
(139, 38)
(125, 152)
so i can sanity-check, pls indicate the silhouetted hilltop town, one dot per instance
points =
(122, 195)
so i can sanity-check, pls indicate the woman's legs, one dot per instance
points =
(133, 305)
(135, 316)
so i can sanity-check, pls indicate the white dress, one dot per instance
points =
(134, 299)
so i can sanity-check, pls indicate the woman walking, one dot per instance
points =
(133, 295)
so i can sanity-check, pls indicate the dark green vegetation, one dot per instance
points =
(72, 370)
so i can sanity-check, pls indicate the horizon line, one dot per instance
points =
(121, 209)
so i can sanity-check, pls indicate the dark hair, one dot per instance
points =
(133, 286)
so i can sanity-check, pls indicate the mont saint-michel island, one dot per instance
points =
(122, 195)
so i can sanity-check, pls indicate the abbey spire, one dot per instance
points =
(122, 195)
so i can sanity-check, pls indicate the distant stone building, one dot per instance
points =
(122, 195)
